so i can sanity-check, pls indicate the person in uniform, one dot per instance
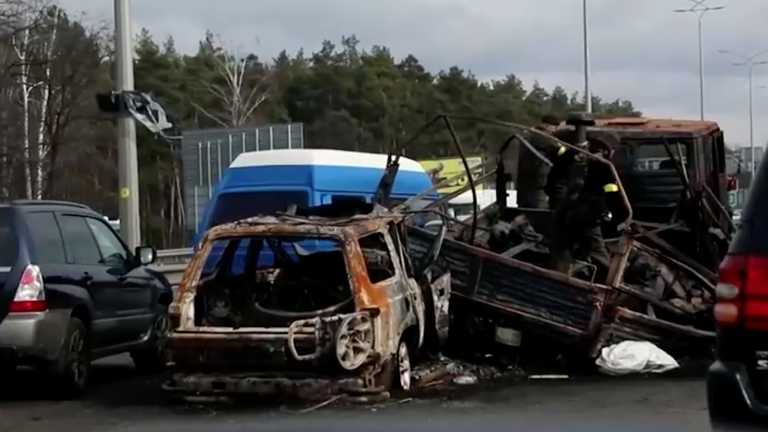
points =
(583, 195)
(531, 170)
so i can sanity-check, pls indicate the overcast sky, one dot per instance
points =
(640, 49)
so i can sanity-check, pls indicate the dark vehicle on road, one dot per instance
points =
(71, 292)
(737, 383)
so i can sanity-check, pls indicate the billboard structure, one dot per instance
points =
(206, 154)
(442, 169)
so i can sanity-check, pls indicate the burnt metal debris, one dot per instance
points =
(346, 298)
(655, 288)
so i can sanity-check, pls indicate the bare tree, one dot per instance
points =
(235, 95)
(21, 45)
(47, 86)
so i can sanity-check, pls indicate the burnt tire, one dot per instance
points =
(154, 357)
(403, 371)
(71, 369)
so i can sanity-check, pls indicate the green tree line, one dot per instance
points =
(57, 145)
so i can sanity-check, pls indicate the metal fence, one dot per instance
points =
(207, 153)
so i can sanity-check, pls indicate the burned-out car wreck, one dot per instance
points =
(303, 305)
(659, 286)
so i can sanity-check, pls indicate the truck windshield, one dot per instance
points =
(233, 206)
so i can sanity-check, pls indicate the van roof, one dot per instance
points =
(320, 157)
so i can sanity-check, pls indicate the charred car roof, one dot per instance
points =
(307, 224)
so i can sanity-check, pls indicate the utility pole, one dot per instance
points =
(750, 63)
(699, 9)
(128, 170)
(587, 90)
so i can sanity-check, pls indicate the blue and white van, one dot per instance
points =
(267, 182)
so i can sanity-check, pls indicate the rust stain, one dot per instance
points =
(660, 125)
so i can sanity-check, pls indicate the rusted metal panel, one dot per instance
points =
(547, 301)
(693, 127)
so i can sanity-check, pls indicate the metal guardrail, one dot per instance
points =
(174, 256)
(174, 272)
(171, 263)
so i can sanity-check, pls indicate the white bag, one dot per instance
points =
(634, 357)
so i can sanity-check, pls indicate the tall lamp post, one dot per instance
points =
(128, 167)
(750, 63)
(700, 9)
(587, 90)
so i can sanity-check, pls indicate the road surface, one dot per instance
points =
(121, 400)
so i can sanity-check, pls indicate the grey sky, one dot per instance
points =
(641, 50)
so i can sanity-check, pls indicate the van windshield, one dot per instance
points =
(234, 206)
(8, 244)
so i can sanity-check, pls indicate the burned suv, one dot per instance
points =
(297, 304)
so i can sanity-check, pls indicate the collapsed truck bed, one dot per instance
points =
(544, 301)
(577, 313)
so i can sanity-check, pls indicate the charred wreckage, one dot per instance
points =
(304, 305)
(343, 299)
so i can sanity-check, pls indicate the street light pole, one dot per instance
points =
(750, 63)
(587, 90)
(128, 171)
(699, 9)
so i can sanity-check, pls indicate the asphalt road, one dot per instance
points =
(121, 400)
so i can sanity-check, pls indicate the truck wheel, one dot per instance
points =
(154, 357)
(71, 369)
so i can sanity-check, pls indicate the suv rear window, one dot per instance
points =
(9, 245)
(752, 236)
(234, 206)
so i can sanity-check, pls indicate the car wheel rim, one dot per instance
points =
(404, 366)
(77, 359)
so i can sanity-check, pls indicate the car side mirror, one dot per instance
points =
(146, 255)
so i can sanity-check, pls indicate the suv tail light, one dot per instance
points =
(30, 294)
(742, 292)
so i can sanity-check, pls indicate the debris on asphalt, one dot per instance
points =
(630, 357)
(465, 380)
(322, 404)
(548, 377)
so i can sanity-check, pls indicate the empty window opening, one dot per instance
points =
(378, 260)
(654, 157)
(271, 281)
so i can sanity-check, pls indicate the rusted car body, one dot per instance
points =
(322, 305)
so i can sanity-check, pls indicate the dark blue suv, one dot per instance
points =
(71, 292)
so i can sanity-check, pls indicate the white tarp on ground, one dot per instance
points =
(630, 357)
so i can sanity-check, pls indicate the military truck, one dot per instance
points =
(674, 174)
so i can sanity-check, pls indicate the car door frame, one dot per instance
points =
(135, 290)
(105, 323)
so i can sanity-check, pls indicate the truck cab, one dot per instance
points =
(674, 174)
